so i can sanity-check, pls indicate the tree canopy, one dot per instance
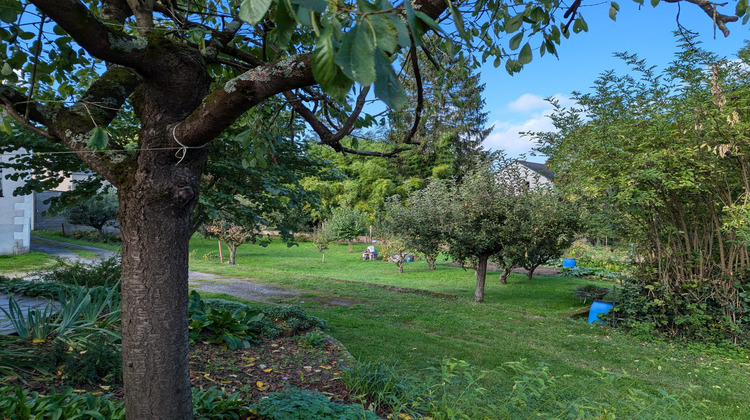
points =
(138, 89)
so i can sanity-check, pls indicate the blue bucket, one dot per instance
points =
(599, 307)
(569, 262)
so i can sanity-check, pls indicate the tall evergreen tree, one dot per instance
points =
(453, 122)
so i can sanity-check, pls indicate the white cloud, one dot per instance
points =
(505, 135)
(529, 102)
(535, 110)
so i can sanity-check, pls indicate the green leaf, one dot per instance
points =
(654, 3)
(387, 86)
(7, 70)
(285, 25)
(515, 42)
(9, 10)
(326, 72)
(429, 21)
(252, 11)
(513, 24)
(741, 8)
(98, 140)
(525, 56)
(318, 6)
(356, 54)
(411, 19)
(387, 39)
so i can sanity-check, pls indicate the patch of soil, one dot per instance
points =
(270, 366)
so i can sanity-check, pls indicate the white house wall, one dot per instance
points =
(15, 214)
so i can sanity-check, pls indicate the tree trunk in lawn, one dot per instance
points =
(430, 261)
(531, 270)
(481, 271)
(155, 225)
(350, 245)
(232, 253)
(504, 276)
(323, 261)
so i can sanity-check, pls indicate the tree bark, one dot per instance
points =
(504, 276)
(232, 253)
(323, 261)
(530, 273)
(430, 261)
(481, 270)
(350, 245)
(155, 226)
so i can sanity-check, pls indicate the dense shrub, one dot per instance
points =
(102, 273)
(45, 289)
(303, 405)
(691, 314)
(287, 321)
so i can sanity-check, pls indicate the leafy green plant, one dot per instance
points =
(314, 339)
(95, 236)
(300, 404)
(453, 392)
(18, 404)
(95, 359)
(35, 324)
(212, 403)
(235, 329)
(16, 359)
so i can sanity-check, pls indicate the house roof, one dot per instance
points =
(539, 168)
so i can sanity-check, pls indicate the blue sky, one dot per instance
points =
(515, 103)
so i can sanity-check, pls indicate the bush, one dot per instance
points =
(303, 405)
(97, 359)
(235, 329)
(102, 273)
(287, 321)
(31, 288)
(690, 314)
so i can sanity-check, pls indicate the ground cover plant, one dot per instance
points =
(523, 319)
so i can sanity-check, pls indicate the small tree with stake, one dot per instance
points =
(232, 235)
(321, 239)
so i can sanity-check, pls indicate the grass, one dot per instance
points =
(21, 263)
(58, 237)
(521, 320)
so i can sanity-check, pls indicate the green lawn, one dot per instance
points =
(22, 263)
(522, 320)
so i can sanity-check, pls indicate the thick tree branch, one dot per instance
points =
(331, 139)
(97, 107)
(710, 7)
(225, 104)
(93, 35)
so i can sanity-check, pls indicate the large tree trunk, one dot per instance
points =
(155, 225)
(481, 270)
